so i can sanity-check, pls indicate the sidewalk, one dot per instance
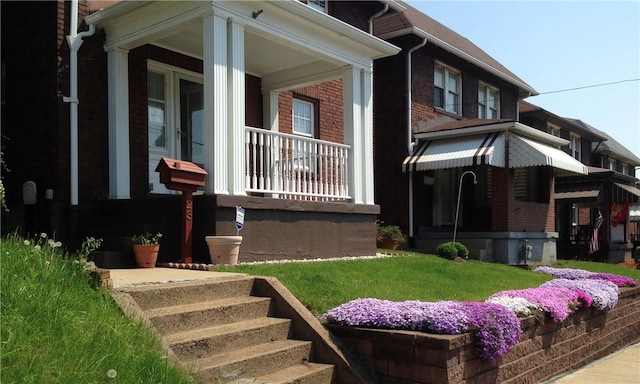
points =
(618, 368)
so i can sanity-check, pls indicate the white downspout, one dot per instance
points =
(375, 16)
(75, 41)
(409, 130)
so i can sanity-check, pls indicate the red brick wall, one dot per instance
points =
(328, 96)
(544, 350)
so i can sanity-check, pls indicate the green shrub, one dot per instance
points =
(447, 251)
(450, 250)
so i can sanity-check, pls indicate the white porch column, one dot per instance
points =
(215, 103)
(236, 104)
(118, 94)
(358, 125)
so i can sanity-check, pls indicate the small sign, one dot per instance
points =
(239, 218)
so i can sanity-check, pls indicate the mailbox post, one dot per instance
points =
(183, 176)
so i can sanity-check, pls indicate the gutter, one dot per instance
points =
(74, 39)
(375, 16)
(409, 130)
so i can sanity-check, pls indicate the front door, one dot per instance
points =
(175, 120)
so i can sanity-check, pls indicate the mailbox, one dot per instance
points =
(180, 175)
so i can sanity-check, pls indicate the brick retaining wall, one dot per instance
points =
(545, 350)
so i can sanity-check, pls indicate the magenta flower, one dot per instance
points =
(558, 302)
(576, 274)
(603, 294)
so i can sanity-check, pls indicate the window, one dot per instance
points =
(576, 147)
(157, 109)
(303, 117)
(447, 89)
(488, 102)
(320, 5)
(612, 164)
(554, 130)
(625, 168)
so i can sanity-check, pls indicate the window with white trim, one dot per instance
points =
(303, 117)
(320, 5)
(575, 146)
(625, 168)
(553, 130)
(488, 102)
(612, 164)
(447, 89)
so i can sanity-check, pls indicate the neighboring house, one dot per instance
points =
(443, 107)
(272, 98)
(608, 190)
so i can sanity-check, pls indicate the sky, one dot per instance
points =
(558, 46)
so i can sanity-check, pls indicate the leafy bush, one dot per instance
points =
(389, 232)
(450, 250)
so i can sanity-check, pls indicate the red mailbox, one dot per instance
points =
(183, 176)
(180, 175)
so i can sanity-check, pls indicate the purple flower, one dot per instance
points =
(556, 301)
(620, 281)
(603, 294)
(496, 329)
(575, 274)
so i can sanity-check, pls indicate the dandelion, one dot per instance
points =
(37, 247)
(26, 242)
(112, 373)
(58, 244)
(43, 235)
(51, 242)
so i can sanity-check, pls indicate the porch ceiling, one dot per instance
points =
(286, 43)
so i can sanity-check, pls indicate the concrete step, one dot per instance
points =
(169, 294)
(203, 342)
(305, 373)
(249, 362)
(179, 318)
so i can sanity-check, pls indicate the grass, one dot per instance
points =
(324, 285)
(56, 328)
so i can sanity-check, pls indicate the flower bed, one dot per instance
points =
(496, 340)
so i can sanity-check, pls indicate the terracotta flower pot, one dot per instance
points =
(224, 249)
(388, 243)
(146, 255)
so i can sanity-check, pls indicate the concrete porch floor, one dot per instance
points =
(136, 276)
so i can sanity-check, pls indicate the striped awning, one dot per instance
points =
(457, 152)
(524, 152)
(489, 149)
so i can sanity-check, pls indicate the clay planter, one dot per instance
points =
(146, 255)
(388, 243)
(224, 249)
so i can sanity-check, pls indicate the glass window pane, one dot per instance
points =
(302, 117)
(438, 97)
(155, 86)
(157, 127)
(453, 82)
(438, 77)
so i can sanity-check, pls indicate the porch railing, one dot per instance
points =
(293, 167)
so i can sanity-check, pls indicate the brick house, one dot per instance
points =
(608, 190)
(272, 99)
(443, 109)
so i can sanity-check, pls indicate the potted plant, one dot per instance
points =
(388, 236)
(145, 249)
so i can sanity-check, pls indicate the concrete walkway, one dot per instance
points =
(618, 368)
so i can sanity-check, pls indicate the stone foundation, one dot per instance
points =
(544, 351)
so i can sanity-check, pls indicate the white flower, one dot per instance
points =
(51, 242)
(112, 373)
(37, 247)
(43, 235)
(26, 242)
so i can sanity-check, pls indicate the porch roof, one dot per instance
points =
(489, 149)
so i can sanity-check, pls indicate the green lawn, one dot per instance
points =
(413, 276)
